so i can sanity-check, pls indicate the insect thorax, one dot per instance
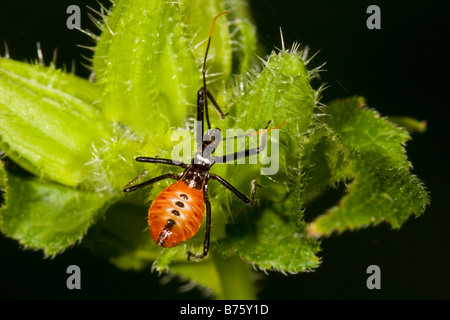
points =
(196, 175)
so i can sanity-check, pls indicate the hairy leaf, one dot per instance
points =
(45, 215)
(127, 245)
(148, 75)
(271, 239)
(382, 189)
(44, 116)
(79, 141)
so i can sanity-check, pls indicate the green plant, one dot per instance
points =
(78, 140)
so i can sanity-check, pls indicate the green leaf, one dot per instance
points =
(198, 19)
(129, 247)
(377, 194)
(148, 75)
(47, 216)
(203, 274)
(324, 162)
(48, 123)
(227, 278)
(273, 240)
(245, 46)
(366, 131)
(290, 98)
(281, 93)
(83, 137)
(382, 189)
(123, 238)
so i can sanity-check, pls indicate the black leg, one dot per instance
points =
(161, 161)
(236, 192)
(245, 153)
(146, 183)
(206, 111)
(239, 155)
(143, 174)
(199, 257)
(202, 112)
(201, 105)
(216, 106)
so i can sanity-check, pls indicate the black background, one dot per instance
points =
(400, 69)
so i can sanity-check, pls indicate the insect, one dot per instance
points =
(176, 214)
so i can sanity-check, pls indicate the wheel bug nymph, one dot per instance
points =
(176, 214)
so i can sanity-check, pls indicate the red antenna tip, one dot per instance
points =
(214, 21)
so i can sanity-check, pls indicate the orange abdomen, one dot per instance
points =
(176, 214)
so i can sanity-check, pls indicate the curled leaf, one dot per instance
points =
(381, 188)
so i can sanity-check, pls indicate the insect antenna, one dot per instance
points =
(206, 94)
(207, 49)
